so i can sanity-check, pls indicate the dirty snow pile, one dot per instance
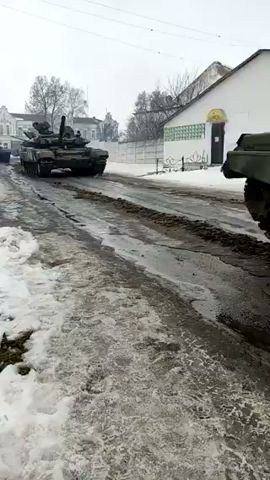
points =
(32, 410)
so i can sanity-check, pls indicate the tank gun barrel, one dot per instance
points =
(62, 128)
(29, 135)
(20, 138)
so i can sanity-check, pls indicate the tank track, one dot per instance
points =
(36, 169)
(257, 200)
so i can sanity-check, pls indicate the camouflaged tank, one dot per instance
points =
(45, 151)
(251, 160)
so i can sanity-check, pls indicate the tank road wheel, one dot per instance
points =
(27, 166)
(257, 200)
(42, 170)
(23, 166)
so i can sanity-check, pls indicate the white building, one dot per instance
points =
(12, 126)
(7, 127)
(90, 127)
(210, 124)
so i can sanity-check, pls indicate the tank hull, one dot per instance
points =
(86, 160)
(248, 164)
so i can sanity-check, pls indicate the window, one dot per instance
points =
(8, 130)
(1, 130)
(93, 134)
(5, 145)
(185, 132)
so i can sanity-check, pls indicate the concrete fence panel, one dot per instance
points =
(133, 152)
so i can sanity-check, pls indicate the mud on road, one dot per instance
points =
(174, 224)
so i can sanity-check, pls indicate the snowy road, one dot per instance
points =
(229, 215)
(144, 377)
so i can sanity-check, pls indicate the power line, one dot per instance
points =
(99, 35)
(164, 22)
(133, 25)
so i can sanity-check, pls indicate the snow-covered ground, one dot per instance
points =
(130, 169)
(212, 178)
(32, 410)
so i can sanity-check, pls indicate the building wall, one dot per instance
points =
(246, 103)
(7, 127)
(88, 131)
(11, 126)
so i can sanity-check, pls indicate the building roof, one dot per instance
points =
(218, 82)
(87, 120)
(31, 117)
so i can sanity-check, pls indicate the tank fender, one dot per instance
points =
(98, 152)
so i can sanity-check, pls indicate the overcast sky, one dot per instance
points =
(113, 73)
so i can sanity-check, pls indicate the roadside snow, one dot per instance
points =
(32, 410)
(211, 178)
(130, 169)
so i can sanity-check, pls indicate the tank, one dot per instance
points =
(4, 155)
(45, 150)
(251, 160)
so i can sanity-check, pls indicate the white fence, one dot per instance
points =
(133, 152)
(148, 152)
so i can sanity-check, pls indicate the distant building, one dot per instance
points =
(12, 126)
(210, 124)
(90, 127)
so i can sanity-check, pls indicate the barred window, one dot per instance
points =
(185, 132)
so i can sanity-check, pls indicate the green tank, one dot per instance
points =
(45, 151)
(251, 160)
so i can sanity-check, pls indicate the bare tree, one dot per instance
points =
(182, 87)
(58, 99)
(51, 98)
(39, 99)
(76, 103)
(152, 109)
(47, 98)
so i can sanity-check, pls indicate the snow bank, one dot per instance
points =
(129, 169)
(32, 411)
(211, 178)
